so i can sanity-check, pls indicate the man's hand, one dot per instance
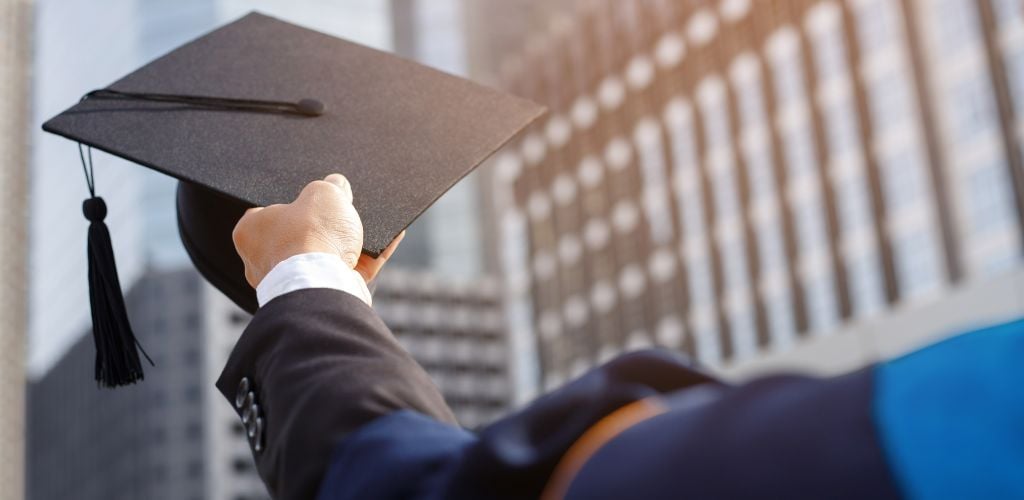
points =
(321, 219)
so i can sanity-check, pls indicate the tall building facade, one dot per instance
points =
(735, 179)
(15, 65)
(455, 329)
(155, 439)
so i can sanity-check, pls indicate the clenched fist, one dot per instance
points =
(321, 219)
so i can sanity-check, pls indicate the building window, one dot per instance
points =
(841, 129)
(877, 25)
(865, 283)
(789, 86)
(1008, 12)
(889, 101)
(830, 55)
(192, 323)
(193, 393)
(902, 184)
(987, 198)
(159, 326)
(158, 472)
(854, 210)
(158, 435)
(821, 304)
(957, 24)
(191, 357)
(973, 111)
(158, 399)
(239, 318)
(242, 465)
(194, 431)
(194, 469)
(917, 263)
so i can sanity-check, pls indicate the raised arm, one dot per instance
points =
(315, 363)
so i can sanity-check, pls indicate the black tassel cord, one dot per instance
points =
(117, 349)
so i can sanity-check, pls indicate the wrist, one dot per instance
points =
(285, 252)
(312, 270)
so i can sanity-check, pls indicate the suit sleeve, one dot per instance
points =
(319, 364)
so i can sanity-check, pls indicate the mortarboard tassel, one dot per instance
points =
(117, 349)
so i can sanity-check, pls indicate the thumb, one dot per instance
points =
(342, 183)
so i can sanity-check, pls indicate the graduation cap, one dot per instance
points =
(247, 115)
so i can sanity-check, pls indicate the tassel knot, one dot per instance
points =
(95, 209)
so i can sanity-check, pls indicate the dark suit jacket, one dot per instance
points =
(346, 413)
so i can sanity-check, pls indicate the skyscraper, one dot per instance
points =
(15, 57)
(738, 179)
(169, 436)
(455, 329)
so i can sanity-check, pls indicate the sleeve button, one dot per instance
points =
(243, 390)
(249, 413)
(257, 443)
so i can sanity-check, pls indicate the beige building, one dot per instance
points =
(747, 181)
(15, 49)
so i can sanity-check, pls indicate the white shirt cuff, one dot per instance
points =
(311, 270)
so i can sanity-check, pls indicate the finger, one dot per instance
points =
(342, 183)
(367, 267)
(386, 254)
(249, 275)
(370, 266)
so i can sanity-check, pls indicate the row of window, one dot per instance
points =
(736, 179)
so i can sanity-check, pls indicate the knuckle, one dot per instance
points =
(240, 232)
(318, 187)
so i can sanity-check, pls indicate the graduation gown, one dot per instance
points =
(344, 412)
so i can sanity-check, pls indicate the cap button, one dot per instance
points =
(310, 107)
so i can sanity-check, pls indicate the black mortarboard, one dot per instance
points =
(249, 114)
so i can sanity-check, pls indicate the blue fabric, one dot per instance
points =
(784, 437)
(408, 455)
(395, 456)
(951, 416)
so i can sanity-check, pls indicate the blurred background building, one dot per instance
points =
(15, 66)
(820, 183)
(454, 327)
(169, 437)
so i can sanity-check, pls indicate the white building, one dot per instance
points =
(753, 181)
(15, 53)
